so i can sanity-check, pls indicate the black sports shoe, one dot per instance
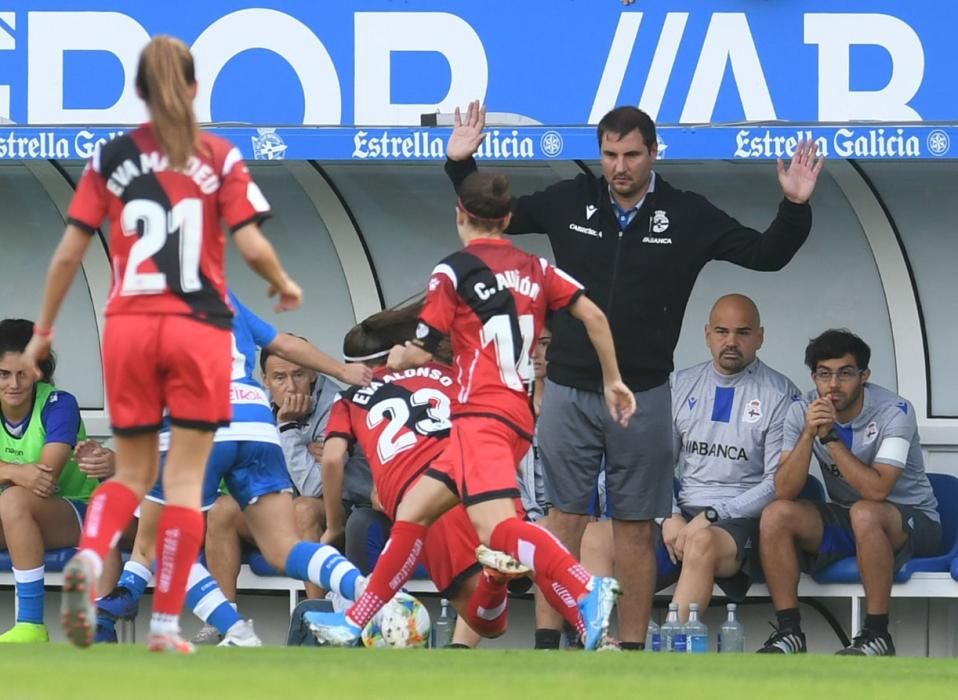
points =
(867, 643)
(783, 641)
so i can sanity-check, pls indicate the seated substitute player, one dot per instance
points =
(492, 299)
(727, 418)
(402, 421)
(43, 493)
(882, 508)
(247, 455)
(300, 398)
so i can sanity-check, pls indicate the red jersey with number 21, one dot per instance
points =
(166, 243)
(492, 299)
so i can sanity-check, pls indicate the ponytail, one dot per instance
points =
(165, 79)
(371, 340)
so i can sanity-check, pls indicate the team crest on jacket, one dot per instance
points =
(660, 221)
(753, 411)
(871, 432)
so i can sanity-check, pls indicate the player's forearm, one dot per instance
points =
(305, 354)
(7, 470)
(748, 504)
(793, 471)
(859, 475)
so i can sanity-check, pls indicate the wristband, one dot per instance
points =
(42, 332)
(831, 436)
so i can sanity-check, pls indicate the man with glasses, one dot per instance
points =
(882, 508)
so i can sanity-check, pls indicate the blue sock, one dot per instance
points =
(324, 566)
(135, 578)
(29, 583)
(207, 601)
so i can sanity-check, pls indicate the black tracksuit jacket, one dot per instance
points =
(641, 277)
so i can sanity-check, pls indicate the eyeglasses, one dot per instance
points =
(845, 374)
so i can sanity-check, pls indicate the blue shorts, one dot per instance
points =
(79, 507)
(250, 469)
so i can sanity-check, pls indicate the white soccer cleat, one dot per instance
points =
(340, 602)
(241, 634)
(500, 566)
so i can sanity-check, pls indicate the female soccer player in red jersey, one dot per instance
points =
(165, 187)
(492, 299)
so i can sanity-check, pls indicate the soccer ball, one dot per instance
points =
(402, 623)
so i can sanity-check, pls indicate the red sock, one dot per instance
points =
(562, 601)
(394, 567)
(109, 512)
(542, 552)
(486, 607)
(179, 537)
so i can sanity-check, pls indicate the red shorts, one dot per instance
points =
(449, 553)
(152, 362)
(481, 460)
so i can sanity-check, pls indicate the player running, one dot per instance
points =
(248, 456)
(402, 422)
(164, 187)
(492, 299)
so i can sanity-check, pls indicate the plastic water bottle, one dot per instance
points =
(696, 633)
(653, 637)
(444, 626)
(731, 638)
(673, 631)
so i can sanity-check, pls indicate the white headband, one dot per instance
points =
(364, 358)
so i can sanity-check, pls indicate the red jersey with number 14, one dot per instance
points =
(166, 242)
(492, 299)
(402, 422)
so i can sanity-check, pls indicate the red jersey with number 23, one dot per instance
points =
(166, 243)
(401, 421)
(492, 299)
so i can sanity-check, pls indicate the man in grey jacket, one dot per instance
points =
(727, 420)
(302, 400)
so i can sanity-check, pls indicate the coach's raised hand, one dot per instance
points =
(467, 133)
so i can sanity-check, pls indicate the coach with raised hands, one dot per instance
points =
(637, 244)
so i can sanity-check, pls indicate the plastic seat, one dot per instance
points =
(53, 560)
(945, 487)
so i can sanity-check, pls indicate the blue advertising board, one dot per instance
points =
(747, 142)
(556, 63)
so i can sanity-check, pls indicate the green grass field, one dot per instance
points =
(129, 672)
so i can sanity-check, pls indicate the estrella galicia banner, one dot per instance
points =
(549, 62)
(529, 143)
